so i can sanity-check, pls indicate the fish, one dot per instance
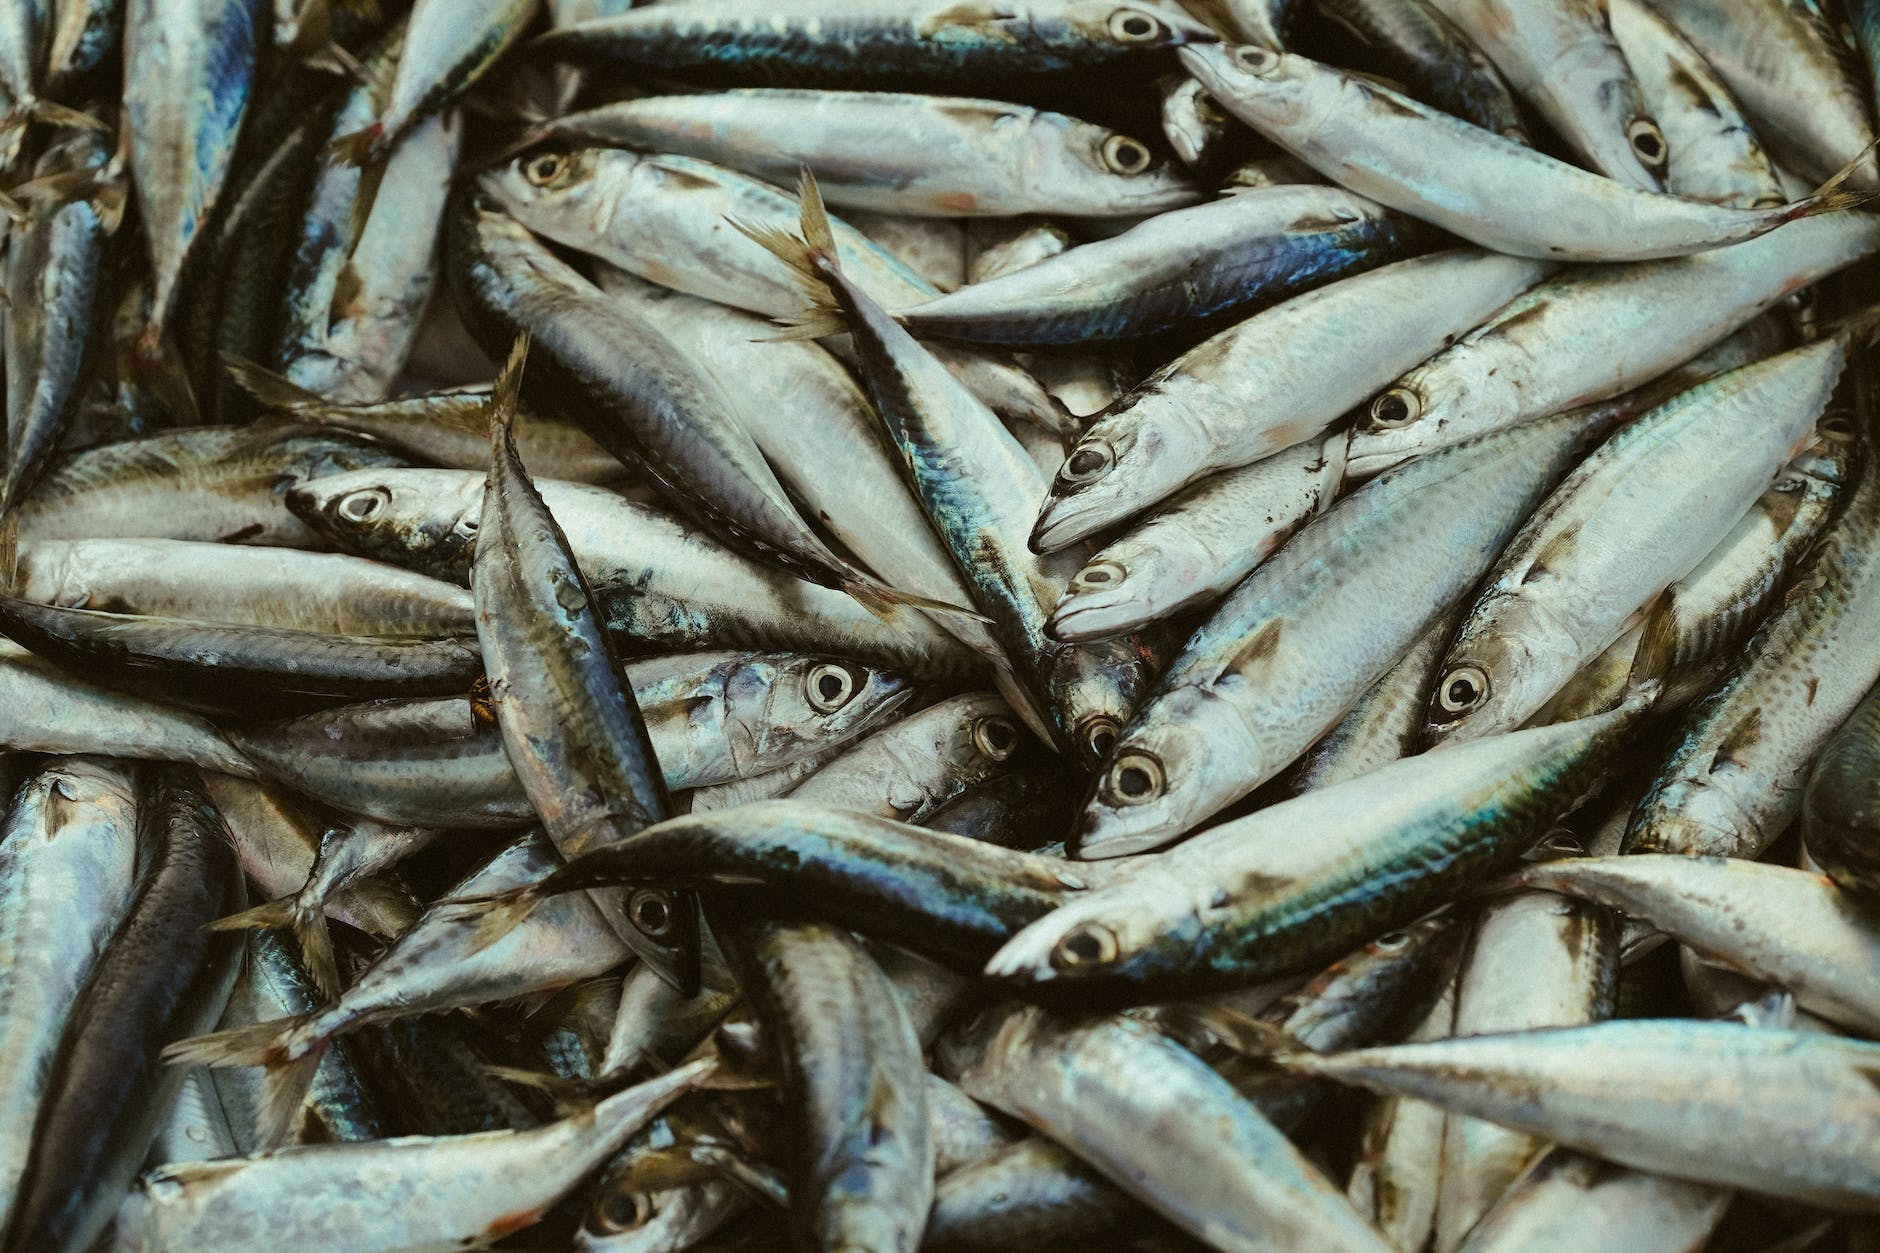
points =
(1251, 392)
(899, 152)
(1251, 900)
(1099, 1085)
(160, 976)
(1289, 650)
(1633, 1092)
(1500, 194)
(880, 43)
(1838, 806)
(438, 1191)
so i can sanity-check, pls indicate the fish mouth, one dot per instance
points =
(1105, 832)
(1064, 521)
(1097, 614)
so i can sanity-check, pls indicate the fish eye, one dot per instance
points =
(996, 737)
(1089, 461)
(545, 169)
(1124, 155)
(363, 505)
(1255, 59)
(1836, 426)
(1135, 779)
(829, 687)
(1769, 202)
(1462, 691)
(1397, 407)
(1099, 736)
(1084, 945)
(651, 910)
(1099, 574)
(1134, 26)
(621, 1210)
(1648, 142)
(1392, 942)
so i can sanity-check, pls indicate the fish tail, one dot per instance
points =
(812, 257)
(1831, 197)
(502, 913)
(571, 1096)
(54, 114)
(158, 368)
(278, 912)
(316, 945)
(506, 397)
(272, 390)
(1657, 652)
(252, 1044)
(283, 1091)
(362, 148)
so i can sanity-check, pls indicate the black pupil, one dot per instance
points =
(1392, 409)
(1461, 692)
(1128, 155)
(1133, 781)
(1395, 939)
(1102, 741)
(620, 1210)
(545, 168)
(1097, 576)
(1084, 947)
(1085, 461)
(651, 915)
(1137, 26)
(1646, 143)
(829, 687)
(998, 736)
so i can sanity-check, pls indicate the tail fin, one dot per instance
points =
(362, 147)
(502, 912)
(306, 917)
(284, 1046)
(1018, 696)
(272, 390)
(812, 256)
(1657, 652)
(505, 399)
(53, 114)
(1829, 197)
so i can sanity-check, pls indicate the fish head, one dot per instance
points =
(1264, 88)
(1132, 176)
(1127, 930)
(1121, 466)
(1094, 689)
(1489, 684)
(1164, 777)
(1192, 120)
(811, 701)
(1132, 582)
(565, 194)
(420, 520)
(1444, 401)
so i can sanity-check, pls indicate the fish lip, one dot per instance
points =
(1059, 525)
(1081, 616)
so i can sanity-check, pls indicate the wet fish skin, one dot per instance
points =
(1253, 899)
(1734, 779)
(951, 155)
(54, 274)
(909, 769)
(161, 976)
(1496, 193)
(1714, 155)
(879, 43)
(443, 1192)
(1256, 389)
(1184, 270)
(1032, 1192)
(1578, 1204)
(1274, 668)
(218, 669)
(1788, 927)
(1840, 811)
(1634, 1092)
(853, 1081)
(67, 869)
(1100, 1086)
(643, 564)
(945, 897)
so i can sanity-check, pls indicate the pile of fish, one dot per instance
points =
(872, 625)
